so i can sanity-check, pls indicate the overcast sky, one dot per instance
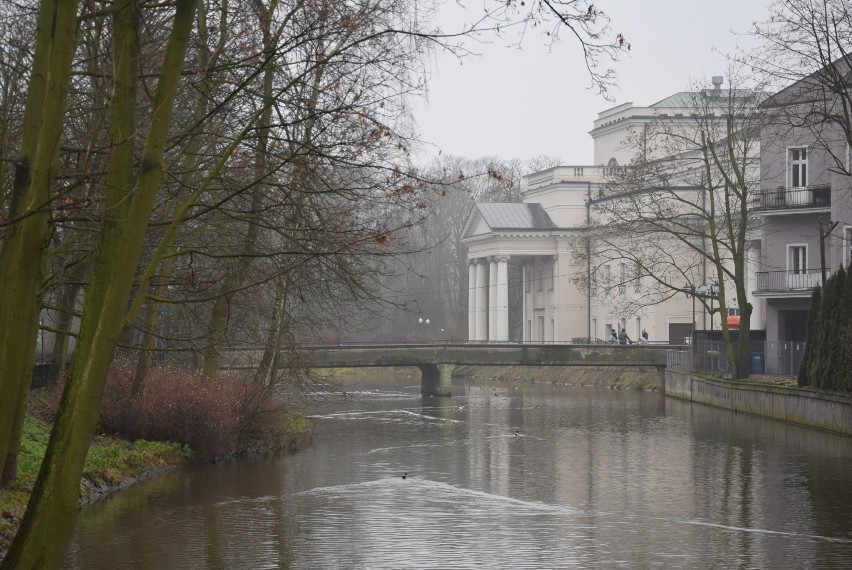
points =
(511, 102)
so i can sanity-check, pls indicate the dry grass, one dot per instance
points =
(214, 418)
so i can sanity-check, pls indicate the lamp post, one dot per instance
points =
(714, 293)
(691, 293)
(711, 291)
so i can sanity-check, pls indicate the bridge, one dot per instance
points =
(436, 360)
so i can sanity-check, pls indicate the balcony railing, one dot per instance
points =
(793, 198)
(801, 280)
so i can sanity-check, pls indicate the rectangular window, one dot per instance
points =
(638, 328)
(798, 167)
(550, 279)
(637, 277)
(622, 277)
(594, 331)
(847, 245)
(607, 277)
(552, 330)
(593, 282)
(539, 279)
(798, 261)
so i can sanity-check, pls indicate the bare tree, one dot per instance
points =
(678, 215)
(804, 54)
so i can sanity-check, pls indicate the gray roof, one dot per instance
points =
(687, 99)
(513, 216)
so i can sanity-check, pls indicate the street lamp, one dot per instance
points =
(691, 293)
(711, 291)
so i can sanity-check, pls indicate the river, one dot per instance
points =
(499, 476)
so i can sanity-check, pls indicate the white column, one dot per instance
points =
(557, 334)
(502, 299)
(492, 299)
(524, 270)
(471, 299)
(481, 308)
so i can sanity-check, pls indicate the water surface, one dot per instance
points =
(534, 476)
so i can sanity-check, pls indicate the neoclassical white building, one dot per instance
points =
(544, 236)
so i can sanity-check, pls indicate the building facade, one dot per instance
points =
(805, 205)
(546, 236)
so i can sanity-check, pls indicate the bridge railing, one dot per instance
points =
(678, 359)
(580, 341)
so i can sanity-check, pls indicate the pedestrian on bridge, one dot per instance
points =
(623, 338)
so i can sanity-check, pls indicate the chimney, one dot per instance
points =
(717, 82)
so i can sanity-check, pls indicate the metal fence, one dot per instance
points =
(784, 357)
(679, 359)
(778, 358)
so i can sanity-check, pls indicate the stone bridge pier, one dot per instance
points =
(436, 379)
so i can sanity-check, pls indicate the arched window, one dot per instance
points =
(612, 162)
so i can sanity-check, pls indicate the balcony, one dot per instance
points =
(792, 198)
(789, 281)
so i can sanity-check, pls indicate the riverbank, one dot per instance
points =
(113, 464)
(775, 399)
(616, 377)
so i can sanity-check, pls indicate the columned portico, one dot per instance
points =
(552, 309)
(488, 299)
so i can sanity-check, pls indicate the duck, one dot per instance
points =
(405, 475)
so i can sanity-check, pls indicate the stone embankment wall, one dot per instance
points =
(624, 378)
(832, 412)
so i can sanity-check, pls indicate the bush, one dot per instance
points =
(828, 357)
(212, 417)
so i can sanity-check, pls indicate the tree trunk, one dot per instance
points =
(266, 369)
(58, 359)
(22, 251)
(51, 513)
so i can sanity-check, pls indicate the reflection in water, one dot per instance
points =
(499, 477)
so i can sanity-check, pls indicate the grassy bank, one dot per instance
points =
(111, 464)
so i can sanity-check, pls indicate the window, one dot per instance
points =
(637, 276)
(622, 277)
(550, 279)
(847, 245)
(539, 279)
(798, 259)
(638, 328)
(594, 331)
(593, 283)
(798, 167)
(607, 277)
